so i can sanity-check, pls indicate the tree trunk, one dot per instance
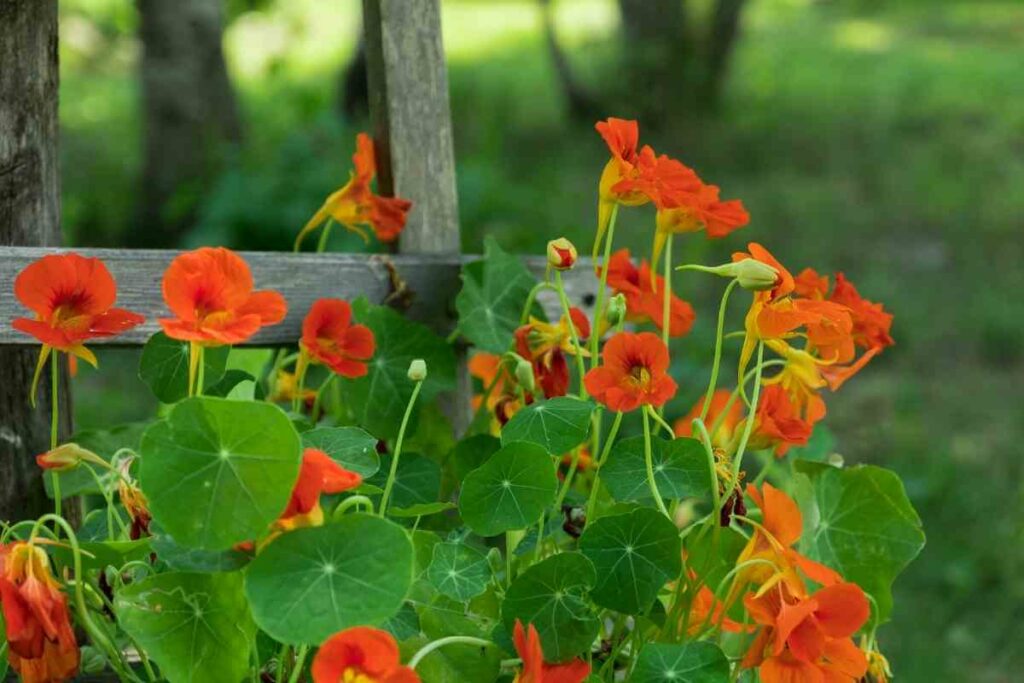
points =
(29, 215)
(189, 113)
(657, 55)
(583, 105)
(724, 31)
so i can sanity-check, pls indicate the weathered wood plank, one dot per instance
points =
(29, 215)
(432, 283)
(408, 92)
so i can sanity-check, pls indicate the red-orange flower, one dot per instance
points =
(719, 400)
(356, 207)
(319, 474)
(361, 655)
(633, 373)
(134, 501)
(73, 299)
(42, 647)
(210, 292)
(683, 210)
(777, 423)
(545, 346)
(503, 399)
(808, 639)
(330, 338)
(645, 295)
(535, 669)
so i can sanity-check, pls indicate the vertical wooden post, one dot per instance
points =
(408, 93)
(29, 215)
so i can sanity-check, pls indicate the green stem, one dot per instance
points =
(666, 299)
(201, 373)
(441, 642)
(112, 512)
(530, 298)
(351, 502)
(300, 660)
(698, 426)
(572, 330)
(54, 424)
(538, 552)
(325, 236)
(661, 423)
(319, 397)
(649, 462)
(282, 656)
(508, 558)
(398, 450)
(749, 427)
(573, 464)
(718, 350)
(612, 433)
(602, 286)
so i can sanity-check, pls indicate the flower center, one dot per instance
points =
(351, 675)
(640, 375)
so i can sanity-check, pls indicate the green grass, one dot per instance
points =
(887, 144)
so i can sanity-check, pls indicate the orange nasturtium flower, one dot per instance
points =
(545, 345)
(503, 399)
(808, 639)
(355, 206)
(67, 457)
(633, 373)
(330, 338)
(691, 210)
(719, 400)
(772, 541)
(645, 295)
(41, 642)
(361, 655)
(319, 474)
(73, 299)
(777, 423)
(535, 669)
(286, 388)
(210, 292)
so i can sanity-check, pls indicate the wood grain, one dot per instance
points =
(432, 282)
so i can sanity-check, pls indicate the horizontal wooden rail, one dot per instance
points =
(424, 284)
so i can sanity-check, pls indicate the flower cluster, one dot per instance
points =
(277, 512)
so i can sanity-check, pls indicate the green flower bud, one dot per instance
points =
(418, 370)
(616, 310)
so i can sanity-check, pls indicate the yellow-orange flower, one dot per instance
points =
(545, 346)
(355, 206)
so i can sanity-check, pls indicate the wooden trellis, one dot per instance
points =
(412, 126)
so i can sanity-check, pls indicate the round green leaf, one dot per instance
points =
(351, 447)
(634, 555)
(421, 509)
(459, 571)
(472, 452)
(417, 481)
(164, 367)
(867, 530)
(192, 560)
(680, 469)
(695, 662)
(456, 663)
(557, 425)
(197, 627)
(218, 472)
(313, 582)
(552, 595)
(509, 491)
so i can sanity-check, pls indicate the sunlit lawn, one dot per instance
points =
(888, 145)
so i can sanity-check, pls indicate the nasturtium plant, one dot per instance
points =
(164, 367)
(378, 399)
(557, 425)
(635, 555)
(340, 510)
(681, 663)
(509, 491)
(311, 583)
(196, 626)
(218, 472)
(866, 528)
(491, 300)
(681, 469)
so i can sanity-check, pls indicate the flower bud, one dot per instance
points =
(418, 370)
(561, 254)
(524, 375)
(755, 275)
(67, 457)
(616, 310)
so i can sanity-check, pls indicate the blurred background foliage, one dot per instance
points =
(882, 138)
